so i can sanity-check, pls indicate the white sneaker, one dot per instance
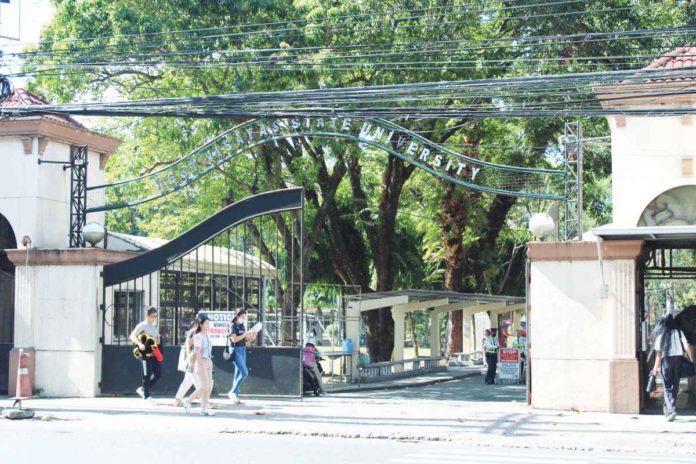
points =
(234, 398)
(151, 401)
(140, 392)
(187, 407)
(207, 412)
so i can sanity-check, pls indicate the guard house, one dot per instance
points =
(590, 311)
(479, 313)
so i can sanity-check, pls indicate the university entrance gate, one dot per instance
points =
(217, 266)
(213, 268)
(210, 268)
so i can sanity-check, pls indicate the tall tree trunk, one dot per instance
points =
(379, 324)
(453, 220)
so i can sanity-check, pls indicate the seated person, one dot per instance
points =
(309, 360)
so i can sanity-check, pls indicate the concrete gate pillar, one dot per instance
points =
(434, 333)
(399, 337)
(583, 337)
(57, 298)
(352, 328)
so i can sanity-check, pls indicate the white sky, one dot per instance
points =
(34, 15)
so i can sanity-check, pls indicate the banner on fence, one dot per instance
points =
(219, 326)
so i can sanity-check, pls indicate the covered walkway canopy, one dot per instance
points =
(434, 301)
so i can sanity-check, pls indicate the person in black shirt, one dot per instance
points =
(239, 336)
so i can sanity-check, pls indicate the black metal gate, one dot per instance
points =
(247, 255)
(6, 325)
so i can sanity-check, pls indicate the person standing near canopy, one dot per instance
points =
(490, 346)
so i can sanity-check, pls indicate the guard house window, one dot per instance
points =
(128, 311)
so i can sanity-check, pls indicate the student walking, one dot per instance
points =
(671, 347)
(239, 336)
(490, 346)
(144, 335)
(201, 358)
(190, 379)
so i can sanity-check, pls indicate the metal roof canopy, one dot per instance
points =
(677, 236)
(426, 295)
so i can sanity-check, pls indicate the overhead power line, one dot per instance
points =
(508, 98)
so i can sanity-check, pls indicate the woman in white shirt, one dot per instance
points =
(670, 346)
(201, 358)
(190, 379)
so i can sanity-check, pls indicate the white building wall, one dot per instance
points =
(647, 158)
(36, 198)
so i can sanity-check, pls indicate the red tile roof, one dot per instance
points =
(677, 59)
(23, 97)
(682, 57)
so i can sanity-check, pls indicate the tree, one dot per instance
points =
(356, 219)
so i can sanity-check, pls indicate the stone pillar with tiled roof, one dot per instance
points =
(653, 181)
(34, 198)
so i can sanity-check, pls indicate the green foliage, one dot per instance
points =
(432, 236)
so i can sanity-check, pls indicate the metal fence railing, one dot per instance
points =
(403, 368)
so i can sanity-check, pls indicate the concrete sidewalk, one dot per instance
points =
(452, 373)
(440, 412)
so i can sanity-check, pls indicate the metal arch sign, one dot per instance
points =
(369, 133)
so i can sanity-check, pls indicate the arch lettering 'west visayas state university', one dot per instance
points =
(375, 134)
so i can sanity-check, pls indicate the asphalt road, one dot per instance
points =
(469, 389)
(118, 430)
(58, 445)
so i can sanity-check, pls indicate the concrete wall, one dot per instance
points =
(57, 313)
(583, 345)
(649, 156)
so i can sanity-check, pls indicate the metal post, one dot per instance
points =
(78, 195)
(572, 160)
(302, 321)
(579, 185)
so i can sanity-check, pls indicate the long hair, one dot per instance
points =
(200, 320)
(664, 329)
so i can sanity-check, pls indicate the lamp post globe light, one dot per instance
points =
(541, 225)
(93, 233)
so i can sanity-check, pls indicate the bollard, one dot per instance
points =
(23, 390)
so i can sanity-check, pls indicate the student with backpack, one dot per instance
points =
(145, 336)
(673, 357)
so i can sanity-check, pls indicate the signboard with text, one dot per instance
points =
(509, 364)
(219, 326)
